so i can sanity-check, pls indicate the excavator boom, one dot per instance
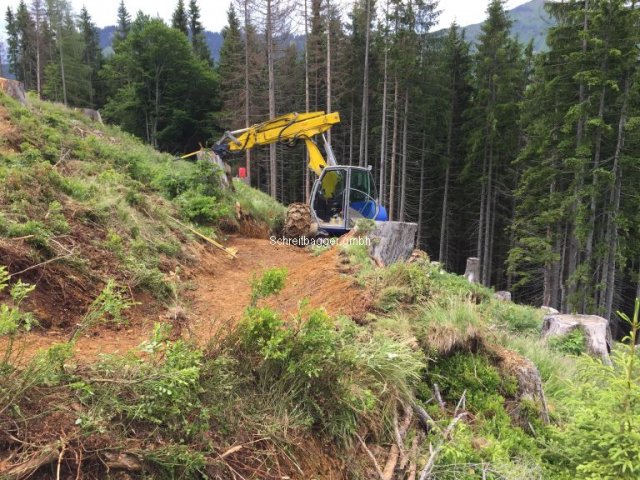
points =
(287, 129)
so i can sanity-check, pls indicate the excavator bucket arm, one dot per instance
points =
(287, 129)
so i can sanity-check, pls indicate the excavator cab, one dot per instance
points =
(342, 195)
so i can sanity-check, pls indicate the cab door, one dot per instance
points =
(362, 196)
(328, 199)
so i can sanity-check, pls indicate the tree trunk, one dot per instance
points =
(383, 133)
(351, 136)
(403, 180)
(38, 21)
(62, 74)
(247, 91)
(483, 192)
(307, 182)
(272, 98)
(328, 65)
(609, 268)
(486, 274)
(573, 251)
(588, 257)
(445, 197)
(421, 195)
(365, 90)
(394, 140)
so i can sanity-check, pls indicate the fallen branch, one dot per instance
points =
(436, 393)
(45, 456)
(446, 437)
(63, 448)
(229, 251)
(425, 419)
(41, 264)
(372, 457)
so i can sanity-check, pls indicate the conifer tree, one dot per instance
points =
(180, 20)
(494, 132)
(92, 55)
(231, 68)
(198, 39)
(124, 21)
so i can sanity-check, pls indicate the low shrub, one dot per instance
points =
(602, 437)
(329, 372)
(573, 343)
(271, 282)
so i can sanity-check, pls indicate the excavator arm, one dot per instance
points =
(287, 129)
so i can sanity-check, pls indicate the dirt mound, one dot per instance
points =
(223, 284)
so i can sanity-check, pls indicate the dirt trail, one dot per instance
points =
(217, 292)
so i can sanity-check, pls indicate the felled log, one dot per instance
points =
(392, 242)
(14, 89)
(596, 330)
(472, 272)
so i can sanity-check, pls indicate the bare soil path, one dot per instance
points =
(217, 291)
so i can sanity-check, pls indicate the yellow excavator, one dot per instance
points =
(341, 194)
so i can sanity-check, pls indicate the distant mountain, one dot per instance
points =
(530, 21)
(214, 41)
(4, 68)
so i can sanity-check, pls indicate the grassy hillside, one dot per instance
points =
(437, 377)
(90, 204)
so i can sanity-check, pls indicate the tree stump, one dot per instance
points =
(596, 330)
(92, 114)
(472, 272)
(392, 241)
(226, 180)
(549, 310)
(14, 89)
(503, 296)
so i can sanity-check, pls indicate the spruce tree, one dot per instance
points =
(494, 135)
(179, 20)
(26, 70)
(198, 38)
(92, 55)
(124, 21)
(231, 68)
(13, 41)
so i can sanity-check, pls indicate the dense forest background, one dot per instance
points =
(525, 158)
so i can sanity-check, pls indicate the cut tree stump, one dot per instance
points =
(596, 330)
(472, 272)
(92, 114)
(503, 296)
(392, 242)
(14, 89)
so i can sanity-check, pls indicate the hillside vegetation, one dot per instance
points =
(437, 380)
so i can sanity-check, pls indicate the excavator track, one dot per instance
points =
(299, 221)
